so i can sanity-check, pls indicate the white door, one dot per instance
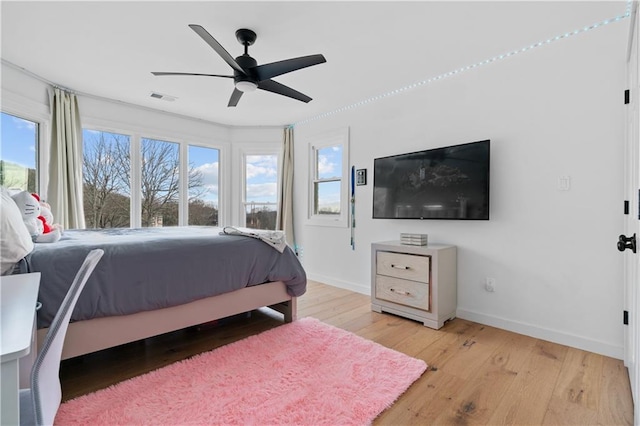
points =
(632, 222)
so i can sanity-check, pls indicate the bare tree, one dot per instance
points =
(160, 182)
(15, 176)
(105, 173)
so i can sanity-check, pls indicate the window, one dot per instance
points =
(106, 172)
(261, 191)
(204, 176)
(160, 184)
(19, 153)
(115, 187)
(329, 180)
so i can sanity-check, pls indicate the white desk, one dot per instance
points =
(18, 297)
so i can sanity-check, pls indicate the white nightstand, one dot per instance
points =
(417, 282)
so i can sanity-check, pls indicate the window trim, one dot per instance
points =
(333, 138)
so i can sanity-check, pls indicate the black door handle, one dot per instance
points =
(627, 243)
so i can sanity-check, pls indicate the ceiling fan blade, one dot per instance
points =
(235, 97)
(208, 38)
(281, 89)
(189, 73)
(267, 71)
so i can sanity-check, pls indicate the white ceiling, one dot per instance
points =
(108, 49)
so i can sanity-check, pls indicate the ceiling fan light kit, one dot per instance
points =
(247, 74)
(246, 86)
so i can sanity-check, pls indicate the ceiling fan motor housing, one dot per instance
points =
(246, 62)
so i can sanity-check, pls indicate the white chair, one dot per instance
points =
(40, 403)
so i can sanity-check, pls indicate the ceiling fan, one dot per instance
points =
(247, 74)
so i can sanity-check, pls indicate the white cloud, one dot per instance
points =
(209, 173)
(263, 160)
(264, 170)
(21, 123)
(210, 193)
(266, 192)
(325, 166)
(254, 172)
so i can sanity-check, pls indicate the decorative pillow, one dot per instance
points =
(15, 242)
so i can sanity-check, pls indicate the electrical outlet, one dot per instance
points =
(564, 183)
(490, 284)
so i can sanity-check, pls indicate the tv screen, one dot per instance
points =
(442, 183)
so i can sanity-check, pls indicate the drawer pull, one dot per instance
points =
(400, 267)
(400, 292)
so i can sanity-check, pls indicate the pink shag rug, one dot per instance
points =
(302, 373)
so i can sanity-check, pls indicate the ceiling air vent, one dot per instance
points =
(163, 97)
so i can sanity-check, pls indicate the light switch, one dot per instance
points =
(564, 183)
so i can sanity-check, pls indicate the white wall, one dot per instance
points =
(556, 110)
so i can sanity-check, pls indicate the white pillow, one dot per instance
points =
(15, 241)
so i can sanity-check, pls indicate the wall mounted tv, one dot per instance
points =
(442, 183)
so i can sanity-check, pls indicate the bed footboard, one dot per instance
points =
(100, 333)
(289, 308)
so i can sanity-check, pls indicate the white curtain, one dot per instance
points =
(284, 221)
(65, 168)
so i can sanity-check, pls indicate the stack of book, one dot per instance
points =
(413, 239)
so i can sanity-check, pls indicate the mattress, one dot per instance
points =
(152, 268)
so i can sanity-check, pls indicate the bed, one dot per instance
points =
(156, 280)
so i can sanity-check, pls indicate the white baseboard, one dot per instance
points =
(358, 288)
(555, 336)
(550, 335)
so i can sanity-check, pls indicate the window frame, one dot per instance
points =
(338, 137)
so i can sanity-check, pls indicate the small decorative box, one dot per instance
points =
(413, 239)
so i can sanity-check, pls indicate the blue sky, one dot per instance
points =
(19, 139)
(19, 146)
(207, 162)
(262, 178)
(330, 162)
(330, 166)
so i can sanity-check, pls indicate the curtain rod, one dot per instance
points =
(37, 77)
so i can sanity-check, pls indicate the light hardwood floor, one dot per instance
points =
(477, 374)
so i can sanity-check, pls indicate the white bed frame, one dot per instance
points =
(92, 335)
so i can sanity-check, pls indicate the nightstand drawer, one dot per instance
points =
(409, 293)
(403, 266)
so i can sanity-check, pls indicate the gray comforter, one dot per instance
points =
(152, 268)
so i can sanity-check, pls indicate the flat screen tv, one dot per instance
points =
(442, 183)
